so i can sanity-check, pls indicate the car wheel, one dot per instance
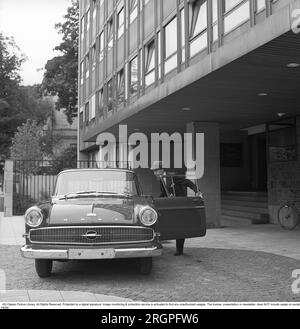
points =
(145, 266)
(43, 267)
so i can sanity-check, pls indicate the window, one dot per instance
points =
(215, 8)
(87, 66)
(198, 26)
(110, 95)
(87, 112)
(133, 10)
(81, 118)
(88, 20)
(100, 103)
(150, 64)
(88, 23)
(94, 57)
(110, 34)
(121, 20)
(260, 5)
(101, 47)
(170, 46)
(159, 54)
(121, 87)
(230, 4)
(236, 12)
(182, 17)
(134, 76)
(94, 8)
(81, 72)
(82, 27)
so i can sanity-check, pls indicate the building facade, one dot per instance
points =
(225, 68)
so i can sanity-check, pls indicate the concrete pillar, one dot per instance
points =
(8, 188)
(210, 184)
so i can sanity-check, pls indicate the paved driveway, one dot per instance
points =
(230, 264)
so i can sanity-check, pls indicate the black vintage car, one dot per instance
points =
(110, 214)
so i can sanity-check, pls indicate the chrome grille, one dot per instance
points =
(91, 235)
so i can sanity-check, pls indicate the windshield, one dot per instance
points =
(100, 182)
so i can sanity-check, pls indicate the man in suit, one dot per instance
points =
(179, 187)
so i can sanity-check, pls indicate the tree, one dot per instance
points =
(66, 159)
(10, 108)
(17, 103)
(61, 75)
(26, 144)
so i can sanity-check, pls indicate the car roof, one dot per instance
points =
(97, 169)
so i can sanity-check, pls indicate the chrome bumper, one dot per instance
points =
(64, 254)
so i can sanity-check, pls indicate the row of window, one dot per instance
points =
(146, 67)
(235, 11)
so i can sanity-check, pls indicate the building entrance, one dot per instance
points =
(258, 162)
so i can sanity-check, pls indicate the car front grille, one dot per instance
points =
(91, 235)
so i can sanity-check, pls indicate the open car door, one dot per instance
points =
(180, 217)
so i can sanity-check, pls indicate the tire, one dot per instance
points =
(43, 267)
(288, 217)
(145, 266)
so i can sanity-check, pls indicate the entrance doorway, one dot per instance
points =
(258, 162)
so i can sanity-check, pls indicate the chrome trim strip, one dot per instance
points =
(64, 254)
(183, 208)
(87, 243)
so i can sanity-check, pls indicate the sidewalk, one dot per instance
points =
(48, 296)
(264, 238)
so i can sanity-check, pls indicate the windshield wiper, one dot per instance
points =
(73, 195)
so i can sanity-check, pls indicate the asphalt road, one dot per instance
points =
(202, 275)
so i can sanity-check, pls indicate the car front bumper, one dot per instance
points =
(84, 254)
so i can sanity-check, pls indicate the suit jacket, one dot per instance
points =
(181, 186)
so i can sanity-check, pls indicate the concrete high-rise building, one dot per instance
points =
(227, 68)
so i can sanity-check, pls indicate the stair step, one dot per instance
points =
(241, 203)
(245, 198)
(256, 218)
(235, 220)
(243, 208)
(245, 193)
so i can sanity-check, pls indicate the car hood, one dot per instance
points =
(92, 212)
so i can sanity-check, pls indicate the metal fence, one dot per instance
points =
(34, 180)
(2, 164)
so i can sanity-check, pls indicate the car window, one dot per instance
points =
(102, 181)
(150, 184)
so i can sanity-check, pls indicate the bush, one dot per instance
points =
(22, 203)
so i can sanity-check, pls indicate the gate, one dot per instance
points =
(33, 182)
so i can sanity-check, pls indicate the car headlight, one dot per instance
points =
(34, 217)
(148, 216)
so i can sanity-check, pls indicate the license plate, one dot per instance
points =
(92, 254)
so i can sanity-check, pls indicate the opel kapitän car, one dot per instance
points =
(111, 214)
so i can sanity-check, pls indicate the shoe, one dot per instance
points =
(178, 253)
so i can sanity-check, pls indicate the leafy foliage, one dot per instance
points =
(67, 159)
(17, 103)
(26, 142)
(61, 76)
(10, 114)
